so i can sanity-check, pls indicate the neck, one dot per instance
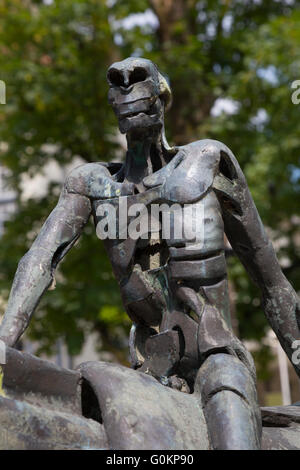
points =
(144, 155)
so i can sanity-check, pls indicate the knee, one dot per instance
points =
(225, 372)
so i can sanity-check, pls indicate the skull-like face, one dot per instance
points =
(136, 93)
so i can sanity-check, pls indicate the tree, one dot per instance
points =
(54, 59)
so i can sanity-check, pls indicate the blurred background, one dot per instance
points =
(231, 65)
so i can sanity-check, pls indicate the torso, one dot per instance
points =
(149, 271)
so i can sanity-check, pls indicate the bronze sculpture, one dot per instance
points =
(174, 291)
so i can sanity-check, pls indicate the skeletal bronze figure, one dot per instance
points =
(174, 291)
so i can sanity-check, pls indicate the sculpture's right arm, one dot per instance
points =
(36, 269)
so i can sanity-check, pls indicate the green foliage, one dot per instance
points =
(262, 358)
(54, 60)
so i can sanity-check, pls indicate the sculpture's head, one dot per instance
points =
(138, 93)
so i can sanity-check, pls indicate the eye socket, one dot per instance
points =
(138, 75)
(115, 78)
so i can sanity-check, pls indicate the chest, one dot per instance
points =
(178, 209)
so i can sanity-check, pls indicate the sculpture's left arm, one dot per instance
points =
(250, 242)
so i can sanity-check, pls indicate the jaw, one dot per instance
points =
(140, 114)
(140, 121)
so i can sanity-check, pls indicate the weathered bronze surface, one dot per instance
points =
(107, 406)
(174, 288)
(41, 407)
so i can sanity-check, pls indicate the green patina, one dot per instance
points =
(137, 153)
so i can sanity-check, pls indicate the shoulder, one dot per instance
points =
(214, 156)
(204, 158)
(191, 172)
(200, 164)
(206, 148)
(83, 177)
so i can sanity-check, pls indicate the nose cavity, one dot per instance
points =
(126, 78)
